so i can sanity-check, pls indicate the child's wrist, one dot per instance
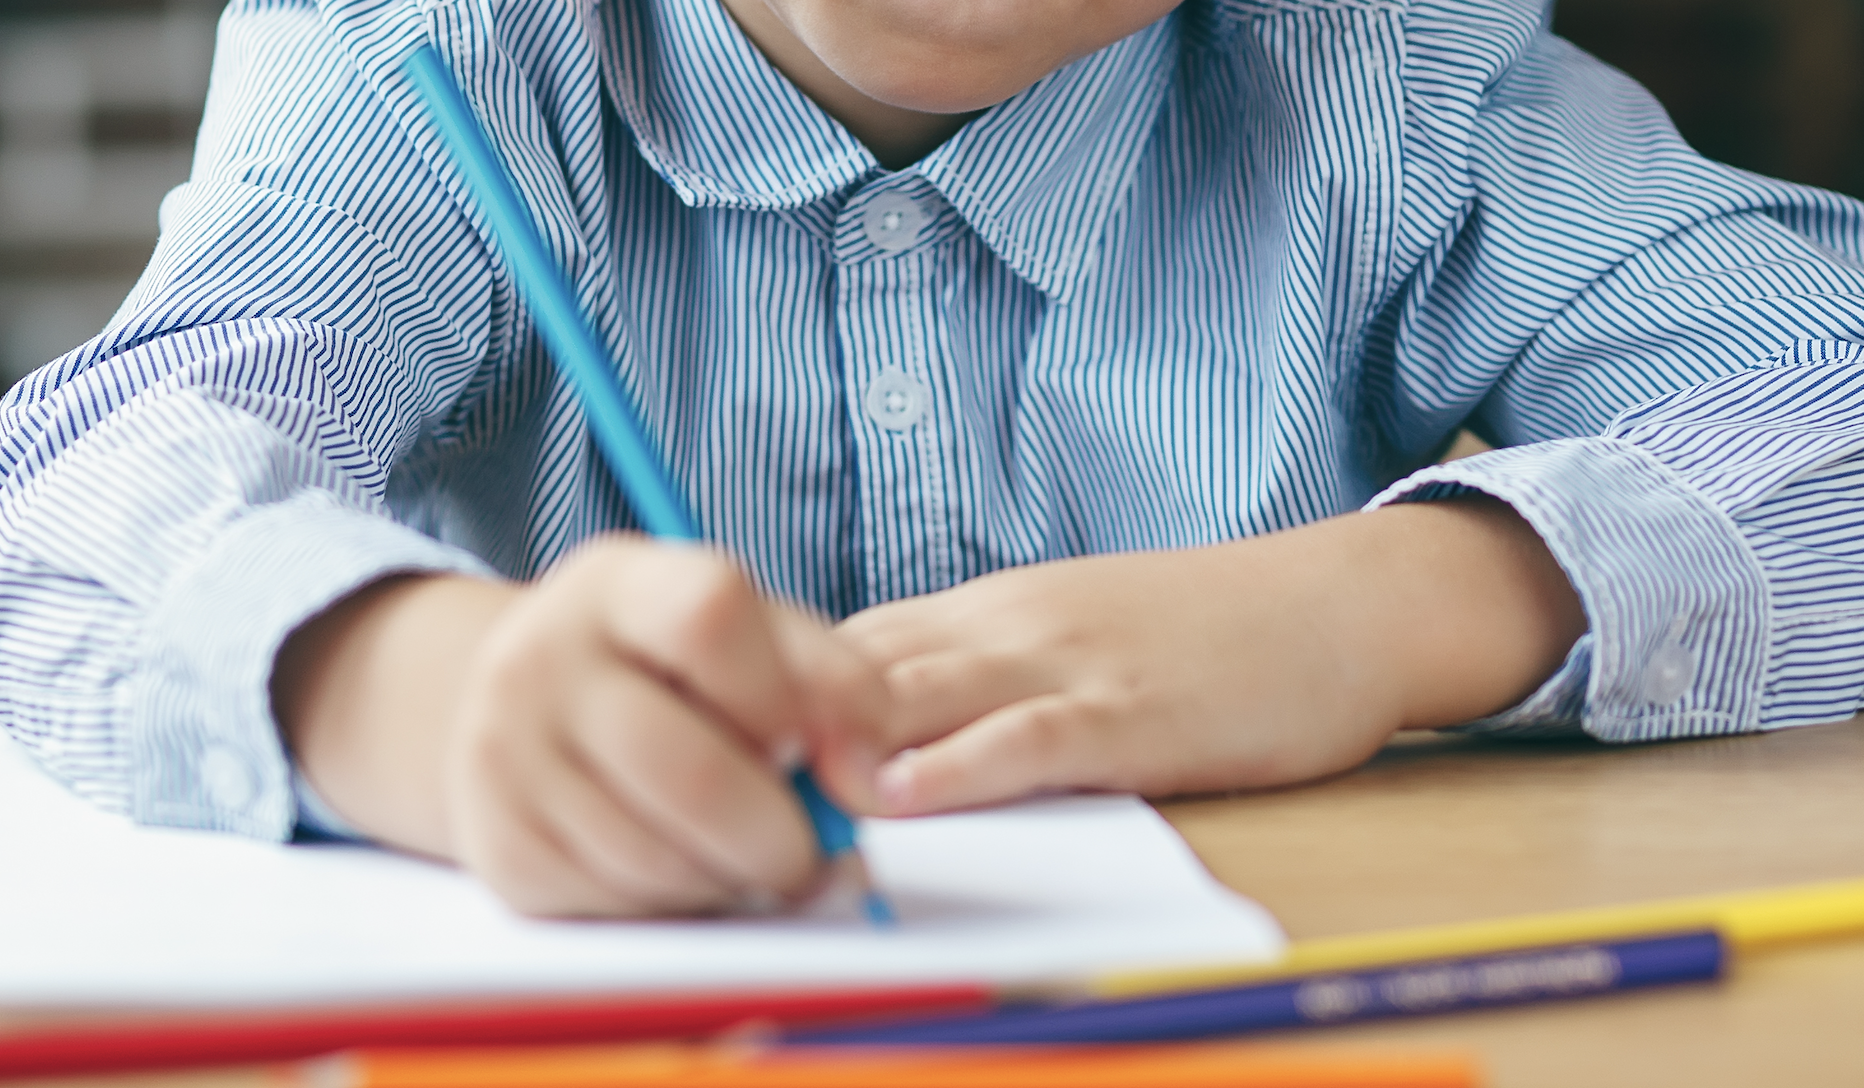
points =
(1470, 605)
(364, 696)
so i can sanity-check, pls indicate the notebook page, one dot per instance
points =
(94, 910)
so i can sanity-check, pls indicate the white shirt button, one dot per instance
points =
(227, 778)
(1669, 672)
(893, 221)
(896, 401)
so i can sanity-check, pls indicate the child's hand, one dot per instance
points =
(1256, 663)
(610, 740)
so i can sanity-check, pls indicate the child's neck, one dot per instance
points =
(897, 137)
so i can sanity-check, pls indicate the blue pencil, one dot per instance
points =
(579, 351)
(1510, 978)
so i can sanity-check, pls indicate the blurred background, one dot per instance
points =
(99, 103)
(100, 100)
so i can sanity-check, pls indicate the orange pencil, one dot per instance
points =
(1171, 1065)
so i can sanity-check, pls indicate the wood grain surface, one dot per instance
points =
(1445, 829)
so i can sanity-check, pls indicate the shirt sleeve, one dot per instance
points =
(183, 491)
(1713, 536)
(1679, 387)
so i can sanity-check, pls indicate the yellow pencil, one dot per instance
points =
(1747, 921)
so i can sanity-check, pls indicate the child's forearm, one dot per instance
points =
(365, 697)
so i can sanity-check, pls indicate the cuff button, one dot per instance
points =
(227, 778)
(1668, 674)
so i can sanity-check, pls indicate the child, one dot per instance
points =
(1051, 341)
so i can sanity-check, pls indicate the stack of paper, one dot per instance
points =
(93, 910)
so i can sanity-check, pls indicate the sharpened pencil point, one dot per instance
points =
(878, 910)
(835, 834)
(851, 873)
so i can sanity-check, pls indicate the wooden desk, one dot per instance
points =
(1443, 829)
(1440, 829)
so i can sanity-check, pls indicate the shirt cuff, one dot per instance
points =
(1677, 604)
(204, 743)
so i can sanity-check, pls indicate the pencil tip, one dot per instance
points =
(879, 911)
(874, 904)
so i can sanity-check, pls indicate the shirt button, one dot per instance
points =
(896, 401)
(1668, 674)
(893, 221)
(227, 778)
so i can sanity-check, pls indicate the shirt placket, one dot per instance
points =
(888, 322)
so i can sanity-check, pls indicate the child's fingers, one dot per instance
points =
(945, 690)
(693, 783)
(903, 629)
(943, 674)
(846, 702)
(513, 850)
(693, 617)
(843, 692)
(553, 840)
(1046, 743)
(643, 872)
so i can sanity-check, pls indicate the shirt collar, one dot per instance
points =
(711, 115)
(1037, 177)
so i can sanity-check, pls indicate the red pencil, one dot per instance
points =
(170, 1041)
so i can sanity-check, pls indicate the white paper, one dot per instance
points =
(93, 910)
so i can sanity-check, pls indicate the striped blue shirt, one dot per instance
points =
(1250, 267)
